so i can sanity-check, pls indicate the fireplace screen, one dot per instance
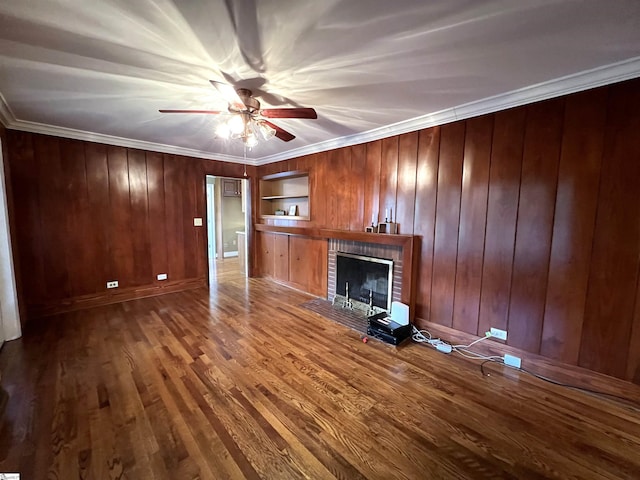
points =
(367, 278)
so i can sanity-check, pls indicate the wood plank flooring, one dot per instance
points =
(240, 382)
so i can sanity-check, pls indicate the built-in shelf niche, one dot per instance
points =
(281, 191)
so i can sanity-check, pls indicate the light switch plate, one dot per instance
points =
(197, 222)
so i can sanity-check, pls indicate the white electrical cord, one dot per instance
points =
(423, 336)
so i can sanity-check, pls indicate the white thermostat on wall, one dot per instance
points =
(197, 222)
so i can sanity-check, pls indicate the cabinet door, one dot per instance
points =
(317, 261)
(308, 264)
(265, 242)
(281, 257)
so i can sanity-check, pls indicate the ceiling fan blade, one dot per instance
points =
(211, 112)
(281, 133)
(229, 94)
(289, 113)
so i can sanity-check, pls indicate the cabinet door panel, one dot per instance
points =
(297, 268)
(308, 264)
(281, 257)
(317, 255)
(265, 260)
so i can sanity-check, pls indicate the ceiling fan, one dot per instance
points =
(247, 121)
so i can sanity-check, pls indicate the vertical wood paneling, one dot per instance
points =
(157, 233)
(174, 213)
(372, 183)
(447, 221)
(91, 213)
(53, 199)
(99, 209)
(337, 184)
(574, 220)
(473, 217)
(425, 214)
(388, 178)
(502, 208)
(27, 231)
(121, 242)
(356, 190)
(616, 250)
(633, 360)
(142, 273)
(406, 190)
(317, 190)
(200, 255)
(80, 250)
(188, 184)
(538, 185)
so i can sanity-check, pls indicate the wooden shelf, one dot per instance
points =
(285, 217)
(280, 197)
(283, 191)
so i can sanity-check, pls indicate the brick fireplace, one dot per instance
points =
(375, 250)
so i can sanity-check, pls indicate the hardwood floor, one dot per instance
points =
(239, 382)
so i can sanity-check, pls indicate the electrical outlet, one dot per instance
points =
(499, 334)
(162, 276)
(512, 361)
(113, 284)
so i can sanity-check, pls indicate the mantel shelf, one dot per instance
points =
(381, 238)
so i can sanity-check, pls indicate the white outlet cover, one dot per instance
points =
(162, 276)
(512, 360)
(499, 334)
(197, 222)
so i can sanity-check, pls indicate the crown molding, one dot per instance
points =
(7, 118)
(596, 77)
(34, 127)
(566, 85)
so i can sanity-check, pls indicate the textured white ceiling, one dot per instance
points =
(106, 67)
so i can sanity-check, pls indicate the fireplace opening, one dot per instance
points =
(369, 279)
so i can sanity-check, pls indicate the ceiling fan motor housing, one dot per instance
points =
(252, 104)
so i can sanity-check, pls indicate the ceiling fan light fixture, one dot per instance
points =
(251, 140)
(248, 122)
(236, 125)
(223, 131)
(266, 131)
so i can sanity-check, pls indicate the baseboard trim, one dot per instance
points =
(553, 369)
(110, 297)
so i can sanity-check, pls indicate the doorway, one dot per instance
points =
(227, 224)
(10, 327)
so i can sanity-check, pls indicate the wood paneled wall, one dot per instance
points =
(529, 219)
(86, 213)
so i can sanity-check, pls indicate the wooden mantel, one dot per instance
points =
(410, 245)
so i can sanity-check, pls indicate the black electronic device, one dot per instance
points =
(385, 337)
(383, 322)
(383, 328)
